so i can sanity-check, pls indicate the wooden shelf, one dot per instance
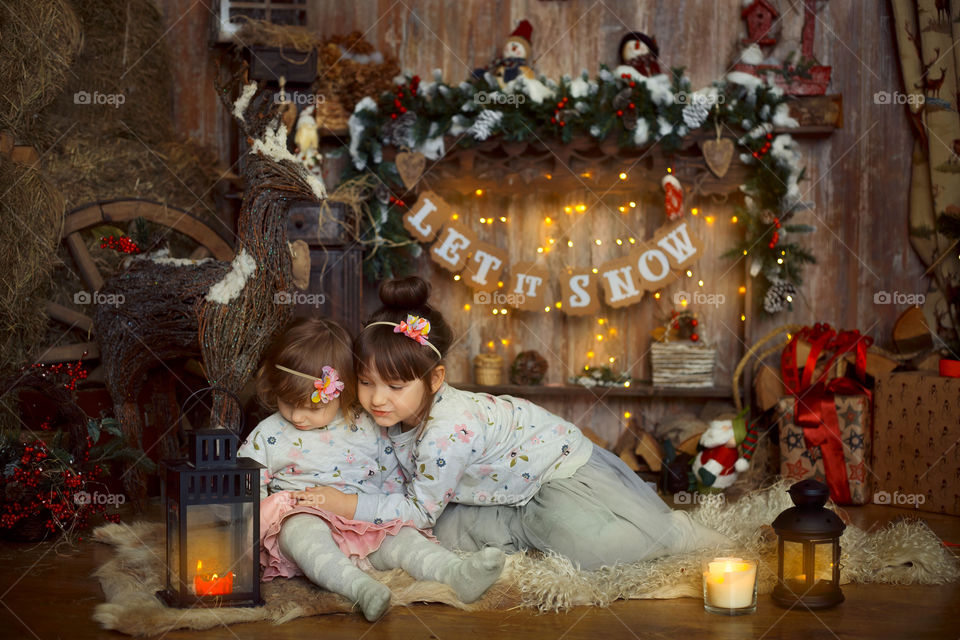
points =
(635, 390)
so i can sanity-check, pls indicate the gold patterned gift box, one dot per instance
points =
(799, 460)
(917, 445)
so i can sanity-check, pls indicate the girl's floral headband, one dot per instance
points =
(326, 388)
(413, 327)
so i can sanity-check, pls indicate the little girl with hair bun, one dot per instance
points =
(313, 440)
(501, 471)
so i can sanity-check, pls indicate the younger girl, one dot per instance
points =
(518, 476)
(307, 375)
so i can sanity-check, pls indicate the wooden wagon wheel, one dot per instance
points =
(210, 244)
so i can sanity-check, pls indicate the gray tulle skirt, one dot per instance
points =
(602, 515)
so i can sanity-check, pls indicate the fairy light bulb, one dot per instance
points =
(734, 219)
(483, 221)
(656, 295)
(633, 241)
(558, 305)
(496, 311)
(595, 270)
(742, 317)
(741, 289)
(601, 320)
(619, 242)
(623, 175)
(700, 283)
(548, 220)
(456, 278)
(479, 192)
(599, 337)
(568, 209)
(589, 354)
(569, 243)
(689, 273)
(539, 249)
(622, 208)
(779, 260)
(627, 414)
(695, 211)
(455, 216)
(581, 208)
(709, 219)
(490, 345)
(598, 242)
(503, 312)
(547, 309)
(611, 359)
(633, 205)
(466, 307)
(504, 341)
(503, 218)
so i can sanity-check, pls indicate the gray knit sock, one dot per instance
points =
(470, 576)
(306, 540)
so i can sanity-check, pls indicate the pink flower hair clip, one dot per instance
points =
(414, 327)
(327, 387)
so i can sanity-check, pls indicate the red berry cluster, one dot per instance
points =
(58, 490)
(402, 91)
(765, 149)
(123, 244)
(775, 238)
(397, 201)
(684, 324)
(75, 371)
(556, 119)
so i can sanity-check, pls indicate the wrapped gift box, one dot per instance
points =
(916, 449)
(799, 461)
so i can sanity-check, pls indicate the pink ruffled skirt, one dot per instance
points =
(356, 538)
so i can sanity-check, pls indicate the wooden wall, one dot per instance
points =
(858, 178)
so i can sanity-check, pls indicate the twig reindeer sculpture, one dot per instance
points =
(226, 312)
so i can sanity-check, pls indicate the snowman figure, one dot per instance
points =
(512, 63)
(640, 51)
(717, 463)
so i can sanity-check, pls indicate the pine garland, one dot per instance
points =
(638, 111)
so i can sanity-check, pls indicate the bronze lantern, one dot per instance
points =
(212, 510)
(808, 555)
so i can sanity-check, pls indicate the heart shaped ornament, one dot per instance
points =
(410, 166)
(717, 154)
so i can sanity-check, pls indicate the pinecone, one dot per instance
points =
(694, 115)
(778, 295)
(400, 131)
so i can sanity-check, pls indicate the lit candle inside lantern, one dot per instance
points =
(212, 584)
(730, 583)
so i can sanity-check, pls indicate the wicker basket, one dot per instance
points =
(682, 363)
(488, 369)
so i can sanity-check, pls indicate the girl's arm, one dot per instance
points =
(437, 475)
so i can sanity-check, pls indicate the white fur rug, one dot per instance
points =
(905, 552)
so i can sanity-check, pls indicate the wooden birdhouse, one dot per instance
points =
(759, 16)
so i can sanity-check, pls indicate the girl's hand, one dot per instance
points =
(330, 499)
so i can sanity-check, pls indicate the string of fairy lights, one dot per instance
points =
(605, 333)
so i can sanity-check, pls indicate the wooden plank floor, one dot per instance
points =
(49, 593)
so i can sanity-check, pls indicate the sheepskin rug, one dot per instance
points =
(904, 552)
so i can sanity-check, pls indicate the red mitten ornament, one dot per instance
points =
(673, 197)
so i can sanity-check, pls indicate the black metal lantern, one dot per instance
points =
(212, 507)
(808, 556)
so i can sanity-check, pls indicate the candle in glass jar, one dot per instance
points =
(729, 583)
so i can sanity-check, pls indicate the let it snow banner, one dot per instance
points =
(649, 266)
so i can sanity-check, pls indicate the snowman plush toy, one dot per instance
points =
(640, 51)
(513, 60)
(718, 460)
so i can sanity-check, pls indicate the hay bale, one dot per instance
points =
(36, 52)
(31, 219)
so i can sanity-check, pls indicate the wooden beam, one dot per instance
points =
(69, 353)
(68, 316)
